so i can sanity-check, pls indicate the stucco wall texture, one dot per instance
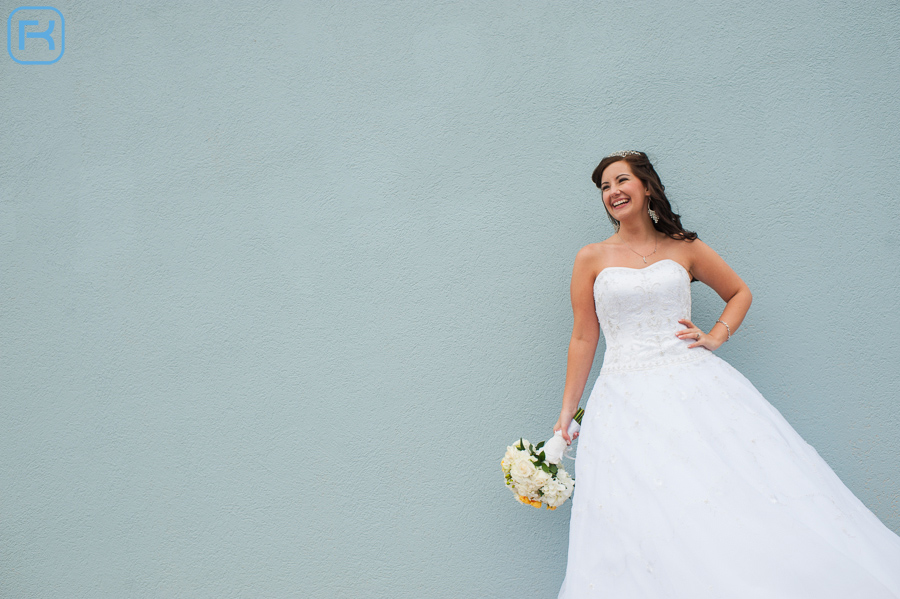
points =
(280, 281)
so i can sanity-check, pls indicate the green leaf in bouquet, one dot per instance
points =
(521, 444)
(554, 469)
(542, 456)
(539, 445)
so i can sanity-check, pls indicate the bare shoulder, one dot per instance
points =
(588, 263)
(594, 256)
(708, 266)
(697, 252)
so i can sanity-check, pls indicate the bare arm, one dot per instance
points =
(707, 266)
(585, 334)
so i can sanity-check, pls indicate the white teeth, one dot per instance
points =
(619, 203)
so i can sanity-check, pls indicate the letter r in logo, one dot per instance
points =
(44, 34)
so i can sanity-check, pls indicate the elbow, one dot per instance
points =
(588, 337)
(748, 295)
(589, 340)
(742, 294)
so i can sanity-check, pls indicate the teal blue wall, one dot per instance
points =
(279, 284)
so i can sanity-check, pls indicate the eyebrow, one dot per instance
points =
(602, 183)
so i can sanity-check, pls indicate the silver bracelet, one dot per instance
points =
(727, 328)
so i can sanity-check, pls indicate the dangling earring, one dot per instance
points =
(652, 212)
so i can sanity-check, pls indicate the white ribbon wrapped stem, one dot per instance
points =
(555, 448)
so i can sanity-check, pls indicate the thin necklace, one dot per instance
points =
(643, 257)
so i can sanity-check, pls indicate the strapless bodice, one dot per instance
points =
(639, 310)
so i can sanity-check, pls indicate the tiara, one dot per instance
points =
(624, 153)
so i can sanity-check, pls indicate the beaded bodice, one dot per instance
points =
(638, 310)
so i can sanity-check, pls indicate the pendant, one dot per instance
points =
(645, 260)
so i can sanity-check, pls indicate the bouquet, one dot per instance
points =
(535, 476)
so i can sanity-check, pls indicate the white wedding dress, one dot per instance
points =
(690, 485)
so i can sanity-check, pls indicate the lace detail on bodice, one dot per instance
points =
(638, 310)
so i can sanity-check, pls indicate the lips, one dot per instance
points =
(623, 202)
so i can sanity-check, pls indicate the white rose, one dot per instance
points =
(541, 478)
(522, 469)
(526, 490)
(527, 486)
(514, 452)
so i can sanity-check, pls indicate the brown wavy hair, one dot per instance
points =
(669, 222)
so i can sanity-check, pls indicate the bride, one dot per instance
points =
(689, 483)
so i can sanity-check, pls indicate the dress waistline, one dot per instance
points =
(693, 355)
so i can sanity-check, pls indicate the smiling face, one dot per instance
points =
(624, 195)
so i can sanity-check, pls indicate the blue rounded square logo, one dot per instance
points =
(35, 35)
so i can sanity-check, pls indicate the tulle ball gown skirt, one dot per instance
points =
(690, 485)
